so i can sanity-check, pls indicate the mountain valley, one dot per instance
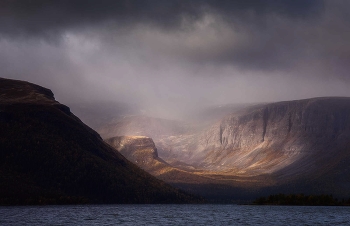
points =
(301, 145)
(227, 154)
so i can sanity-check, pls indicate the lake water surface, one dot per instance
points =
(174, 215)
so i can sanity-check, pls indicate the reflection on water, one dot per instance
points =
(174, 215)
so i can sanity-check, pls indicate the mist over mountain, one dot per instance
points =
(97, 114)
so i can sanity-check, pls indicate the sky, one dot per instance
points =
(174, 56)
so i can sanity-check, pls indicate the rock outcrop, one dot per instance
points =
(140, 150)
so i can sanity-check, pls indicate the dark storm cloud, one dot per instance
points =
(264, 42)
(47, 17)
(174, 56)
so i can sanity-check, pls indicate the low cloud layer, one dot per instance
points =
(170, 57)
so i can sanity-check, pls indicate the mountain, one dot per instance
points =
(273, 136)
(298, 146)
(48, 156)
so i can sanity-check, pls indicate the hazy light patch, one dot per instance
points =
(83, 68)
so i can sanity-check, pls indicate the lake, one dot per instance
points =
(206, 214)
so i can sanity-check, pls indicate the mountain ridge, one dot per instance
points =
(48, 156)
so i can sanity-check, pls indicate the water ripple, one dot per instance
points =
(174, 215)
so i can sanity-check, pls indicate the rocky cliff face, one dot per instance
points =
(48, 156)
(140, 150)
(269, 138)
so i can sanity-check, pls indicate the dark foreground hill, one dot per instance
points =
(48, 156)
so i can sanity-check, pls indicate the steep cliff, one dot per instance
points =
(303, 144)
(138, 149)
(271, 137)
(48, 156)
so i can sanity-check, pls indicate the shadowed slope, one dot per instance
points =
(47, 155)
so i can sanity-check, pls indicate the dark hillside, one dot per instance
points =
(48, 156)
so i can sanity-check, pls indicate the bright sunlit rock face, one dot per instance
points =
(140, 150)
